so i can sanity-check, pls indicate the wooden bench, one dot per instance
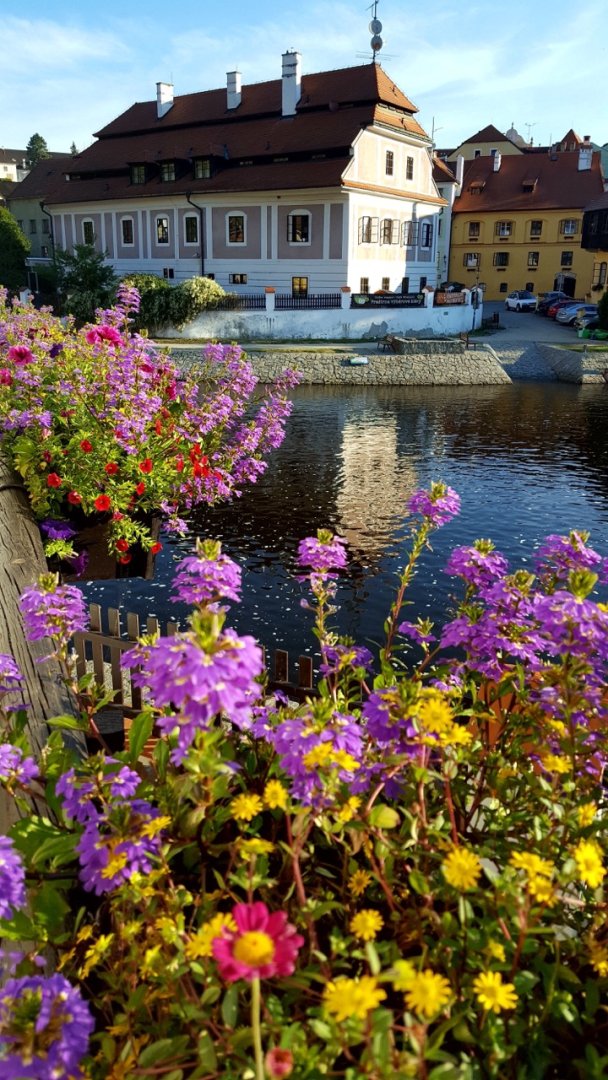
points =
(388, 343)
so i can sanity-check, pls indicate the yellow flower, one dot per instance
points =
(200, 942)
(588, 857)
(276, 796)
(344, 998)
(434, 713)
(155, 825)
(495, 950)
(492, 993)
(366, 924)
(349, 809)
(405, 973)
(461, 869)
(325, 754)
(598, 955)
(541, 889)
(427, 993)
(358, 882)
(555, 763)
(245, 807)
(95, 953)
(253, 846)
(254, 948)
(532, 864)
(586, 814)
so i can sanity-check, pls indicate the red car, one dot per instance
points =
(554, 308)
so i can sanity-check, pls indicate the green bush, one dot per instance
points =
(163, 304)
(602, 312)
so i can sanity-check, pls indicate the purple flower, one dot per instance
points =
(10, 676)
(478, 565)
(340, 657)
(57, 530)
(12, 879)
(199, 685)
(55, 350)
(558, 556)
(387, 720)
(44, 1029)
(439, 505)
(77, 794)
(322, 553)
(118, 845)
(416, 633)
(53, 610)
(14, 767)
(207, 577)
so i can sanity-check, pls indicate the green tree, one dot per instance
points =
(36, 150)
(84, 282)
(602, 312)
(14, 249)
(73, 149)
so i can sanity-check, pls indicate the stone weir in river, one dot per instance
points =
(438, 362)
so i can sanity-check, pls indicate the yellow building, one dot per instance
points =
(517, 223)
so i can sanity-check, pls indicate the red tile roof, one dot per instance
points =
(559, 183)
(244, 143)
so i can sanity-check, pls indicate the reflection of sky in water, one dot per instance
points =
(527, 460)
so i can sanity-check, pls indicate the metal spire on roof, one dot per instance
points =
(375, 28)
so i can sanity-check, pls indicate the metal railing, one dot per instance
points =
(318, 302)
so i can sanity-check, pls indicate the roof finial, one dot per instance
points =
(375, 28)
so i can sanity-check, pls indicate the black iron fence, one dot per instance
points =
(307, 303)
(242, 302)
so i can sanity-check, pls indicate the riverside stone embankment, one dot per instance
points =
(425, 363)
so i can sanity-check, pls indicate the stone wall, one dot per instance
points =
(576, 367)
(427, 364)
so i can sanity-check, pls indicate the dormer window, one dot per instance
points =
(202, 169)
(138, 174)
(167, 171)
(529, 184)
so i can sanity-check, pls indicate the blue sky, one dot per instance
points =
(69, 68)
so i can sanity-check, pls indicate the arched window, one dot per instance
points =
(298, 227)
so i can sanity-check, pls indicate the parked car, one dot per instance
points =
(567, 314)
(587, 322)
(521, 300)
(547, 299)
(583, 317)
(552, 311)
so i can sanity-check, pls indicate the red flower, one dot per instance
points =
(53, 480)
(158, 427)
(111, 468)
(86, 446)
(117, 516)
(146, 466)
(179, 463)
(74, 498)
(140, 488)
(125, 559)
(102, 502)
(122, 545)
(156, 548)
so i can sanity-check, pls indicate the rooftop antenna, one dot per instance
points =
(433, 132)
(529, 128)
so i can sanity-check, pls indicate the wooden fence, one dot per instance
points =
(100, 648)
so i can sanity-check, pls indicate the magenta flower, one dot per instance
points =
(103, 333)
(322, 553)
(263, 945)
(439, 505)
(20, 354)
(44, 1028)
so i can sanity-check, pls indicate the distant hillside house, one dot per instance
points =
(305, 183)
(517, 222)
(27, 204)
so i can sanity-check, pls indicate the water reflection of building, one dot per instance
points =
(374, 484)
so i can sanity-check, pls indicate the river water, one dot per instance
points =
(527, 460)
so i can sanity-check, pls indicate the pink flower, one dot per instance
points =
(278, 1063)
(6, 379)
(20, 354)
(264, 944)
(104, 333)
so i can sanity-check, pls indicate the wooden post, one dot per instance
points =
(21, 561)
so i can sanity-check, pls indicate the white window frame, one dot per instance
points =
(167, 172)
(88, 221)
(158, 242)
(471, 260)
(568, 227)
(191, 217)
(504, 229)
(426, 235)
(409, 167)
(389, 162)
(299, 243)
(123, 242)
(236, 214)
(202, 168)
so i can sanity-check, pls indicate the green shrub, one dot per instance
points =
(602, 312)
(163, 304)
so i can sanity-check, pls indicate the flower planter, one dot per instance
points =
(101, 564)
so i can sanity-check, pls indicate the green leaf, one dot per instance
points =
(163, 1050)
(418, 882)
(372, 958)
(384, 817)
(141, 730)
(230, 1006)
(67, 723)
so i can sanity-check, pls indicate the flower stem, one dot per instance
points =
(256, 1029)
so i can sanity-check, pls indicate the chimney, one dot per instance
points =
(585, 156)
(459, 170)
(164, 98)
(292, 82)
(233, 88)
(497, 161)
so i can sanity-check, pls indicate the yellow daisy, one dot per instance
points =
(358, 882)
(366, 924)
(492, 993)
(586, 814)
(461, 869)
(427, 993)
(588, 856)
(245, 807)
(275, 795)
(200, 943)
(344, 997)
(405, 973)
